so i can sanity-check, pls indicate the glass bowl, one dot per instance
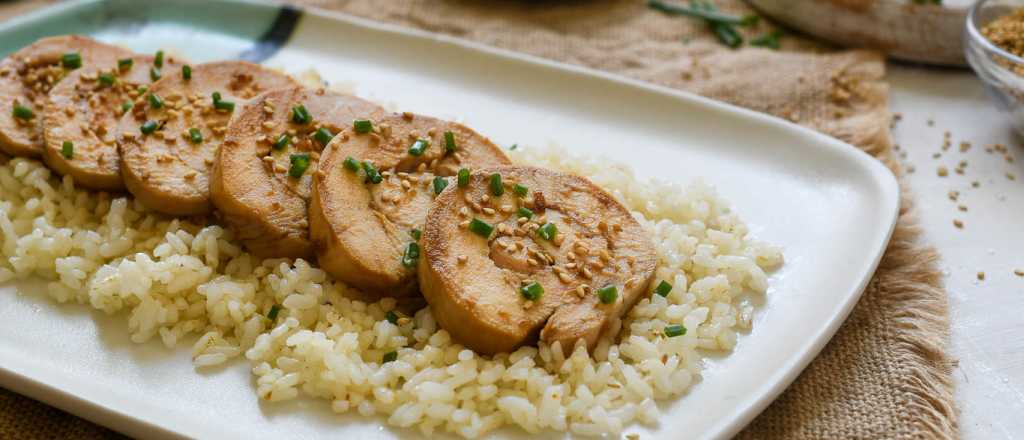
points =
(1001, 72)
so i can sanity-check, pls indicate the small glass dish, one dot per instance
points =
(1001, 72)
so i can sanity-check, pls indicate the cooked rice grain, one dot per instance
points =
(180, 281)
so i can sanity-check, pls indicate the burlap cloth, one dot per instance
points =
(886, 373)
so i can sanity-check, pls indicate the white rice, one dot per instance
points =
(177, 281)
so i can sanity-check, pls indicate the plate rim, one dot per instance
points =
(881, 175)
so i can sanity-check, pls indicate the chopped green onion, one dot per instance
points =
(532, 291)
(158, 59)
(412, 253)
(282, 141)
(449, 142)
(71, 60)
(274, 310)
(300, 115)
(513, 147)
(142, 89)
(520, 190)
(727, 35)
(195, 135)
(186, 72)
(372, 175)
(351, 164)
(709, 15)
(769, 40)
(362, 126)
(480, 227)
(148, 127)
(220, 104)
(663, 288)
(548, 231)
(674, 330)
(416, 233)
(67, 149)
(608, 294)
(390, 356)
(299, 163)
(23, 113)
(107, 79)
(463, 177)
(391, 316)
(125, 63)
(224, 105)
(154, 73)
(155, 101)
(323, 136)
(125, 106)
(419, 147)
(524, 212)
(440, 183)
(497, 189)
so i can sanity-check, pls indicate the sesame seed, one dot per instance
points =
(462, 259)
(1019, 272)
(943, 171)
(489, 211)
(981, 275)
(959, 224)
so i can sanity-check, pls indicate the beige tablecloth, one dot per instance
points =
(886, 373)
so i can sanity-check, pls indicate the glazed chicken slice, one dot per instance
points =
(262, 177)
(373, 192)
(169, 140)
(531, 253)
(26, 76)
(82, 110)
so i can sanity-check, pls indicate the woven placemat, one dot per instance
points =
(886, 373)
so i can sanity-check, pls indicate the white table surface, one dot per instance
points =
(987, 316)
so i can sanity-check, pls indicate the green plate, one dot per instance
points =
(198, 30)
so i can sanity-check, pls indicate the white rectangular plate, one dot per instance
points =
(829, 205)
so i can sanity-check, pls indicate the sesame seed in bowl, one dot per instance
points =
(994, 47)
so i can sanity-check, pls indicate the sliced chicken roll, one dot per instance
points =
(169, 140)
(26, 76)
(82, 111)
(262, 177)
(373, 192)
(521, 252)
